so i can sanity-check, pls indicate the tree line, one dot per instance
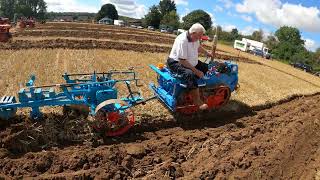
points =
(14, 9)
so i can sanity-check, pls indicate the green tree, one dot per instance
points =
(289, 34)
(107, 10)
(271, 42)
(27, 8)
(199, 16)
(234, 34)
(171, 20)
(7, 8)
(257, 35)
(317, 55)
(166, 6)
(153, 17)
(290, 46)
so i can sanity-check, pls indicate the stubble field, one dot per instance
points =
(268, 130)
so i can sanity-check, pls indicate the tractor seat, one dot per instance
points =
(201, 82)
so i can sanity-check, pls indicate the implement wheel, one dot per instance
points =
(216, 96)
(111, 122)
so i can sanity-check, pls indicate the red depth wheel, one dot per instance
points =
(185, 104)
(114, 123)
(217, 96)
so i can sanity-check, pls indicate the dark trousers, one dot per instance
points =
(187, 75)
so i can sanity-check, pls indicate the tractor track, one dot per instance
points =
(281, 142)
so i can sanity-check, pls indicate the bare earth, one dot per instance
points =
(240, 141)
(277, 143)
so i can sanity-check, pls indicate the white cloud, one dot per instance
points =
(227, 3)
(69, 6)
(248, 30)
(128, 8)
(181, 2)
(186, 11)
(277, 14)
(213, 20)
(246, 18)
(310, 44)
(218, 8)
(229, 13)
(228, 27)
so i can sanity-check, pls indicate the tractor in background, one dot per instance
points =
(5, 26)
(24, 22)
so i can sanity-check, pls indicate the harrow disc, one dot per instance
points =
(216, 96)
(113, 122)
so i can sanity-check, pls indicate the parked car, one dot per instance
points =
(169, 30)
(317, 73)
(163, 30)
(133, 26)
(140, 27)
(151, 28)
(302, 66)
(259, 52)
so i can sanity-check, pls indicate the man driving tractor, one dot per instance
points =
(183, 60)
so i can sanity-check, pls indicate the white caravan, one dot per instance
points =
(249, 45)
(255, 45)
(241, 45)
(118, 22)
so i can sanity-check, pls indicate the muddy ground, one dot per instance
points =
(279, 142)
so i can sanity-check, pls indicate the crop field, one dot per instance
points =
(269, 129)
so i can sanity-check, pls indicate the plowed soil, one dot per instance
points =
(99, 35)
(281, 142)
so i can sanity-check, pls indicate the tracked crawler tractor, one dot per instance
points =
(215, 87)
(5, 26)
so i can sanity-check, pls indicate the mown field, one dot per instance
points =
(239, 141)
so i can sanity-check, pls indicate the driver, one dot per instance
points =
(183, 60)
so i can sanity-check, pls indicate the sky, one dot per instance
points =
(245, 15)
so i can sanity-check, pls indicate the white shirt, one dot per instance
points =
(184, 49)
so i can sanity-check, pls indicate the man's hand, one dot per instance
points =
(199, 73)
(209, 54)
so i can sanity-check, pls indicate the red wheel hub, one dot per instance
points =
(218, 97)
(114, 123)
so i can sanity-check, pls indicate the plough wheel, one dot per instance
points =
(112, 123)
(216, 96)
